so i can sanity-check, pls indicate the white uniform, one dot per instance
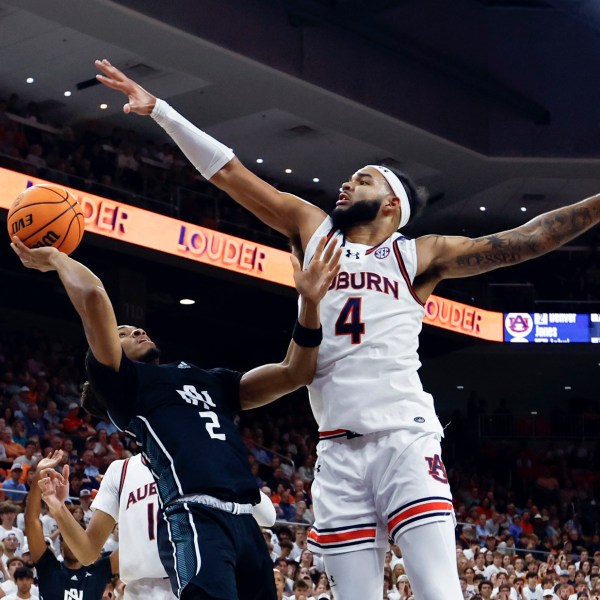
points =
(379, 471)
(367, 378)
(128, 494)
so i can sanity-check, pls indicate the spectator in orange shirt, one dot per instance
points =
(13, 449)
(72, 421)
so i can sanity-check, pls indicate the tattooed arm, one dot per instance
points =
(446, 257)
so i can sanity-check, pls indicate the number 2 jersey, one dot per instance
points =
(366, 379)
(183, 418)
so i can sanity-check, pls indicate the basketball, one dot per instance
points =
(46, 215)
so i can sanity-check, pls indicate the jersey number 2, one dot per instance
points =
(349, 323)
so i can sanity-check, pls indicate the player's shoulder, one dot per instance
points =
(226, 375)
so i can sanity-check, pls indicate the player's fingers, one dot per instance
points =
(334, 261)
(319, 250)
(331, 248)
(66, 472)
(295, 263)
(127, 108)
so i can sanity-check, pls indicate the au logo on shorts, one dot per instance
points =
(436, 468)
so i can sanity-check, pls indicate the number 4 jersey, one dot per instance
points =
(183, 418)
(367, 378)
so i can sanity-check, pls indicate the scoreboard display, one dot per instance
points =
(552, 328)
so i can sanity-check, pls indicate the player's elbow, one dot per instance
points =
(299, 374)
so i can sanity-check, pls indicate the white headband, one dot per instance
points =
(398, 190)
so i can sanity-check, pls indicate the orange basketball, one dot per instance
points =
(47, 215)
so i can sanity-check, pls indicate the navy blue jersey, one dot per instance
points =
(183, 418)
(57, 581)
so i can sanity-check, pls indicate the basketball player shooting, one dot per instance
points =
(183, 417)
(379, 473)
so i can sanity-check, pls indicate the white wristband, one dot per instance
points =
(203, 151)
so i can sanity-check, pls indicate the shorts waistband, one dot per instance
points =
(231, 507)
(338, 433)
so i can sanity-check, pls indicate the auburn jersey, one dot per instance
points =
(367, 378)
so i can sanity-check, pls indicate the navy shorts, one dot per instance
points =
(225, 555)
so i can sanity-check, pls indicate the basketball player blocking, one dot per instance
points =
(379, 473)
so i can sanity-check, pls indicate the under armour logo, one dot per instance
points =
(331, 580)
(192, 396)
(183, 365)
(349, 253)
(318, 468)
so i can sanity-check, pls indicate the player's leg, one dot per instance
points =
(198, 553)
(358, 574)
(346, 531)
(431, 544)
(413, 495)
(193, 592)
(254, 572)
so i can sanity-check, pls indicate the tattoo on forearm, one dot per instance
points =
(543, 234)
(478, 259)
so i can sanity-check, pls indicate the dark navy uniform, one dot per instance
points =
(183, 418)
(57, 581)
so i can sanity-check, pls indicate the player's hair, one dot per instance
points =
(93, 404)
(417, 195)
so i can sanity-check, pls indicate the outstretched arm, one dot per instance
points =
(86, 544)
(269, 382)
(445, 257)
(87, 294)
(33, 509)
(288, 214)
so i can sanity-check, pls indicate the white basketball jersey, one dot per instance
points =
(367, 378)
(128, 494)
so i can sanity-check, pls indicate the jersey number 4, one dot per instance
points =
(349, 323)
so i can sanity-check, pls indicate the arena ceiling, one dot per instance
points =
(489, 103)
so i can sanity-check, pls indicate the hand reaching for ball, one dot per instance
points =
(41, 259)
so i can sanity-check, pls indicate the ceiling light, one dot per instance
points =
(460, 387)
(567, 387)
(288, 171)
(316, 180)
(67, 93)
(187, 301)
(104, 106)
(523, 209)
(260, 161)
(534, 413)
(482, 208)
(30, 80)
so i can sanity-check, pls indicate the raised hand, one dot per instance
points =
(312, 283)
(140, 101)
(51, 461)
(54, 486)
(35, 258)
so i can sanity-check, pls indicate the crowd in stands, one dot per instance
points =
(529, 524)
(124, 165)
(527, 516)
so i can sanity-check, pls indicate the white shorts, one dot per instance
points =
(144, 589)
(370, 489)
